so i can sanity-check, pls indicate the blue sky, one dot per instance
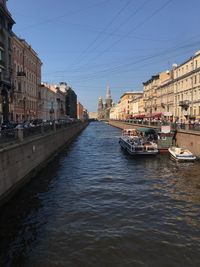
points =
(92, 43)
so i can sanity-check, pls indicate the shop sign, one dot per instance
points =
(167, 114)
(165, 128)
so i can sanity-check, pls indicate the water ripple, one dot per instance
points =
(97, 206)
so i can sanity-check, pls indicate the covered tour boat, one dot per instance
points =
(136, 144)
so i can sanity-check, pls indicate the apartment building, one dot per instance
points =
(187, 88)
(125, 104)
(156, 95)
(26, 80)
(51, 102)
(6, 23)
(137, 107)
(71, 103)
(47, 102)
(165, 95)
(150, 96)
(80, 111)
(114, 112)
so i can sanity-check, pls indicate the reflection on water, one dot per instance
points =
(94, 205)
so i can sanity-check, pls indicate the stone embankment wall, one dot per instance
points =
(184, 138)
(21, 161)
(127, 125)
(189, 139)
(119, 124)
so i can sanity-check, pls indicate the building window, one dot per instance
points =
(1, 54)
(19, 87)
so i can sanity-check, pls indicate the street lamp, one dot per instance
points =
(24, 102)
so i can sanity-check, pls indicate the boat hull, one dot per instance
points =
(181, 158)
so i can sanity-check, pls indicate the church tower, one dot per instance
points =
(100, 107)
(108, 97)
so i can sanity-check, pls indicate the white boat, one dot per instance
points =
(181, 154)
(137, 145)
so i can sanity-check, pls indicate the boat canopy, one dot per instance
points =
(146, 130)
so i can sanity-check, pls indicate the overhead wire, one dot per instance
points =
(64, 15)
(137, 26)
(122, 69)
(103, 31)
(124, 22)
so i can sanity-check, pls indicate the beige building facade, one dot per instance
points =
(114, 112)
(137, 107)
(171, 95)
(158, 96)
(165, 96)
(125, 104)
(51, 102)
(187, 89)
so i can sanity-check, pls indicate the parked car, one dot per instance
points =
(8, 125)
(37, 122)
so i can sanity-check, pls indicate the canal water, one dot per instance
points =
(96, 206)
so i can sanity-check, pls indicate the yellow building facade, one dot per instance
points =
(187, 89)
(171, 95)
(126, 104)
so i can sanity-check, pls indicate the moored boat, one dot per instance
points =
(181, 154)
(137, 145)
(166, 138)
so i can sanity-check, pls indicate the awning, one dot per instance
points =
(154, 115)
(139, 116)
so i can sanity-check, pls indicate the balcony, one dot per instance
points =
(51, 111)
(2, 63)
(162, 105)
(184, 103)
(2, 45)
(21, 73)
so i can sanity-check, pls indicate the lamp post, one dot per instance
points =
(24, 102)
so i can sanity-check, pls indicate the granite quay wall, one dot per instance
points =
(126, 125)
(186, 138)
(189, 139)
(21, 161)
